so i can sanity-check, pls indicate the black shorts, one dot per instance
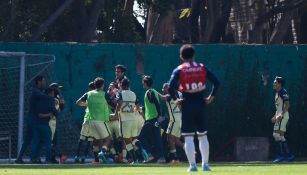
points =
(194, 119)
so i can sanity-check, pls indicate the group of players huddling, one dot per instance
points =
(116, 116)
(185, 98)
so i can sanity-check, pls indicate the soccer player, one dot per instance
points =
(98, 115)
(85, 134)
(126, 104)
(174, 126)
(42, 133)
(280, 119)
(140, 119)
(113, 123)
(120, 73)
(190, 78)
(59, 104)
(36, 95)
(152, 116)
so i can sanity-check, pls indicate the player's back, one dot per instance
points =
(97, 105)
(127, 109)
(192, 77)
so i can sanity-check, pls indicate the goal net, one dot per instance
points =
(17, 71)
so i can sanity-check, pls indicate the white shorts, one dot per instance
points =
(174, 128)
(129, 128)
(114, 128)
(95, 129)
(282, 125)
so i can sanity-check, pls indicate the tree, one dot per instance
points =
(164, 22)
(160, 22)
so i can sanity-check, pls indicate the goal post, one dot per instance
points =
(17, 72)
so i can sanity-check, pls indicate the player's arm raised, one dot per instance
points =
(82, 100)
(163, 97)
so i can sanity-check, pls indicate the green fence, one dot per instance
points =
(244, 104)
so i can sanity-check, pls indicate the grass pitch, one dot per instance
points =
(295, 168)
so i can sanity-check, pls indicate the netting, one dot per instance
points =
(10, 66)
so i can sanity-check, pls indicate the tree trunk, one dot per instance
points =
(51, 19)
(152, 20)
(288, 5)
(193, 20)
(217, 18)
(88, 32)
(222, 21)
(281, 28)
(163, 29)
(211, 20)
(303, 29)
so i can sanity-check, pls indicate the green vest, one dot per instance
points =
(97, 106)
(150, 108)
(86, 115)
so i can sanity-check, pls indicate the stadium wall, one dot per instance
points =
(244, 104)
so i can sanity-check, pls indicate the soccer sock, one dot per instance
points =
(95, 151)
(279, 148)
(285, 146)
(130, 150)
(79, 147)
(124, 152)
(143, 154)
(137, 153)
(173, 154)
(189, 148)
(138, 144)
(204, 148)
(113, 152)
(88, 143)
(53, 153)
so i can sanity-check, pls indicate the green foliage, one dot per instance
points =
(29, 14)
(116, 27)
(185, 13)
(112, 26)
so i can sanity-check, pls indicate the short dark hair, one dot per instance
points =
(125, 83)
(91, 85)
(99, 82)
(280, 80)
(121, 67)
(148, 80)
(38, 78)
(187, 51)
